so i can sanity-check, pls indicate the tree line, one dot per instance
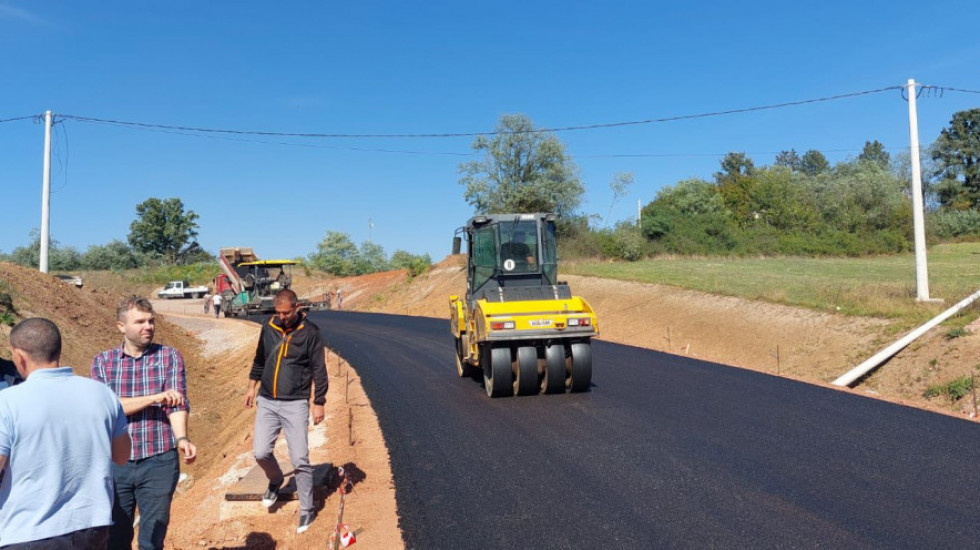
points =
(164, 233)
(799, 205)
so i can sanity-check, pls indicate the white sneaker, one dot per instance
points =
(304, 521)
(271, 494)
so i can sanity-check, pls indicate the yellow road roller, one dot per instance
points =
(518, 323)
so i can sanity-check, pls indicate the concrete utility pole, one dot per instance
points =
(918, 219)
(46, 194)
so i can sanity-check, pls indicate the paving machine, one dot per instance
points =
(249, 285)
(517, 323)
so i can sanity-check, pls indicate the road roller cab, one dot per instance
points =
(518, 323)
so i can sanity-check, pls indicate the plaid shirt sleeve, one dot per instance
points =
(176, 379)
(97, 372)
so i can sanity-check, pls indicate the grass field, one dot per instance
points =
(881, 286)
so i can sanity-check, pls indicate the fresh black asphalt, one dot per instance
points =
(663, 452)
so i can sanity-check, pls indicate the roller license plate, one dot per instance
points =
(538, 323)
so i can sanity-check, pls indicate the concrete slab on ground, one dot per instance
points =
(242, 498)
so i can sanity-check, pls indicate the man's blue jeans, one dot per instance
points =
(148, 484)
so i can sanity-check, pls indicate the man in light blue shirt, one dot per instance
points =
(59, 434)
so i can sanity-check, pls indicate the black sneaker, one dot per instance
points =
(271, 494)
(304, 521)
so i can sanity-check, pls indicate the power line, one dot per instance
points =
(958, 90)
(2, 120)
(477, 134)
(458, 154)
(312, 145)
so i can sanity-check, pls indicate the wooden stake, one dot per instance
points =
(350, 427)
(973, 388)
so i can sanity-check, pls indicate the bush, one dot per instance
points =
(7, 312)
(415, 264)
(628, 244)
(954, 390)
(956, 332)
(950, 224)
(115, 256)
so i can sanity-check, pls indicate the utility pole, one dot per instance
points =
(46, 194)
(918, 219)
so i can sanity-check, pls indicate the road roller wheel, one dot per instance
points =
(526, 377)
(554, 369)
(580, 373)
(463, 369)
(497, 375)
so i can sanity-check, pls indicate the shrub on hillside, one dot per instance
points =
(953, 390)
(951, 224)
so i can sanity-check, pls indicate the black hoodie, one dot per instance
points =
(288, 359)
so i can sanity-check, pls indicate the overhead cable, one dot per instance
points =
(310, 145)
(2, 120)
(477, 134)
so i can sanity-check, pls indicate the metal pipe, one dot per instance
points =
(857, 372)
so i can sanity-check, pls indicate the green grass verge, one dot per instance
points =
(881, 286)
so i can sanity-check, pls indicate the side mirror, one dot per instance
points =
(457, 244)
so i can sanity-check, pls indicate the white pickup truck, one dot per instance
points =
(182, 289)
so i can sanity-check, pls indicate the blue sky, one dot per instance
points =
(435, 67)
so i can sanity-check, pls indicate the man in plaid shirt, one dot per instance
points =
(151, 384)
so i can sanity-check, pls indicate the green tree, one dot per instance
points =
(813, 163)
(736, 182)
(874, 152)
(733, 167)
(957, 156)
(163, 229)
(689, 218)
(780, 201)
(60, 258)
(523, 170)
(789, 159)
(864, 210)
(336, 254)
(115, 256)
(66, 258)
(371, 258)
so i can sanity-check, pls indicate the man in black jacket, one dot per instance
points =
(288, 359)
